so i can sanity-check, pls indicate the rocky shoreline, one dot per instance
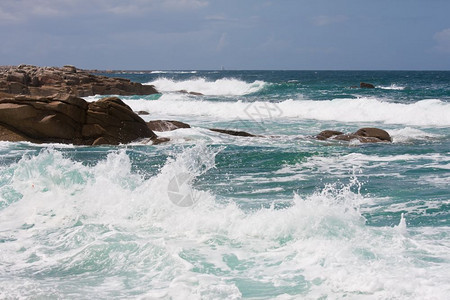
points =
(68, 80)
(44, 105)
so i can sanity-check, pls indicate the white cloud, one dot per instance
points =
(130, 7)
(7, 16)
(21, 10)
(218, 18)
(323, 20)
(442, 39)
(182, 4)
(136, 7)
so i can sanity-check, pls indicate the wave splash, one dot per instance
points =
(117, 229)
(219, 87)
(422, 113)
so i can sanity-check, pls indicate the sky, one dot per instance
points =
(234, 34)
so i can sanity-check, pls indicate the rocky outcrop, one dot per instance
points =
(70, 120)
(365, 85)
(364, 135)
(166, 125)
(68, 80)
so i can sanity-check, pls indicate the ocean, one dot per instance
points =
(214, 216)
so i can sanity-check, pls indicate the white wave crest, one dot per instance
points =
(219, 87)
(174, 72)
(392, 87)
(422, 113)
(409, 134)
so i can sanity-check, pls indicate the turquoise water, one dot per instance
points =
(212, 216)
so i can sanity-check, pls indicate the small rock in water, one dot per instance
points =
(364, 135)
(327, 134)
(233, 132)
(142, 112)
(190, 93)
(374, 133)
(365, 85)
(166, 125)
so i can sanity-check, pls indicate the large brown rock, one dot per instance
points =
(68, 80)
(70, 120)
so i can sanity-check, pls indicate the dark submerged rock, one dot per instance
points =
(365, 85)
(233, 132)
(142, 112)
(190, 93)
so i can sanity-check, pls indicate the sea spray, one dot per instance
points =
(219, 87)
(118, 232)
(422, 113)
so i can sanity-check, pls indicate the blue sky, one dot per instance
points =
(245, 34)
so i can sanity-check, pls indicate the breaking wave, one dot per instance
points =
(106, 222)
(422, 113)
(219, 87)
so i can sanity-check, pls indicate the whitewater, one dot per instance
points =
(213, 216)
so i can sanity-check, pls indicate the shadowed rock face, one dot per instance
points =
(364, 135)
(70, 120)
(68, 80)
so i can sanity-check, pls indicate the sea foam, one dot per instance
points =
(219, 87)
(431, 112)
(106, 227)
(392, 87)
